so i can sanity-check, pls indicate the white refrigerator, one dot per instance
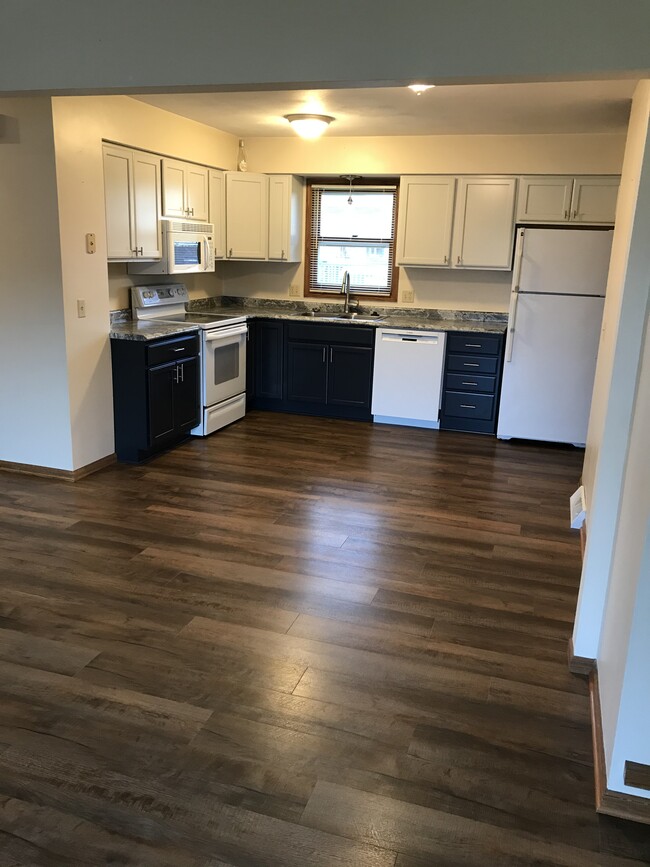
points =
(554, 322)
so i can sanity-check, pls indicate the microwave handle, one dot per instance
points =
(206, 253)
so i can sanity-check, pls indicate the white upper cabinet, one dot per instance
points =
(285, 218)
(247, 213)
(546, 199)
(132, 199)
(426, 211)
(568, 199)
(594, 200)
(485, 223)
(217, 214)
(185, 190)
(456, 223)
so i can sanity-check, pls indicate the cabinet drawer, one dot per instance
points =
(473, 363)
(461, 405)
(358, 335)
(463, 382)
(172, 350)
(479, 344)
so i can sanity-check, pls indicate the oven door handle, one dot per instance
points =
(222, 333)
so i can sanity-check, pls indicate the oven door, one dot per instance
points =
(224, 363)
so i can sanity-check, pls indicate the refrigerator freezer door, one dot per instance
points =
(547, 384)
(565, 261)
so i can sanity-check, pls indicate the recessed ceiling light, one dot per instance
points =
(309, 125)
(420, 88)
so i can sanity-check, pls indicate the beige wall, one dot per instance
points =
(440, 288)
(442, 154)
(616, 375)
(34, 401)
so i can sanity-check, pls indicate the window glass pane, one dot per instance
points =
(368, 264)
(369, 216)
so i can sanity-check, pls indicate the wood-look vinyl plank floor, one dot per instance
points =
(299, 643)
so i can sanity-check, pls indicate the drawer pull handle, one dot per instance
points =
(471, 364)
(467, 406)
(473, 345)
(180, 350)
(470, 383)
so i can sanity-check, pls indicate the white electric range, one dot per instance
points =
(223, 351)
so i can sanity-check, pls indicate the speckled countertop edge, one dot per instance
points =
(414, 319)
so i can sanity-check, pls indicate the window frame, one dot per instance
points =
(356, 294)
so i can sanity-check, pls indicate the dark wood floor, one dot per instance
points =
(299, 642)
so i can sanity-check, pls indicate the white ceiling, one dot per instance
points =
(490, 109)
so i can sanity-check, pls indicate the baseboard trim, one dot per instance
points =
(610, 803)
(54, 473)
(580, 665)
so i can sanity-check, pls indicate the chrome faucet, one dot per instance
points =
(345, 289)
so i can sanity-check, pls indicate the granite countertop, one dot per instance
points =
(417, 319)
(147, 330)
(413, 323)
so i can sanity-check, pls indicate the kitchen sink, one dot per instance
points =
(340, 317)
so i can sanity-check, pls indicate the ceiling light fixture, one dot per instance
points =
(420, 88)
(309, 125)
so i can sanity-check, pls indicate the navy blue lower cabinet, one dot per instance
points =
(155, 394)
(265, 364)
(472, 382)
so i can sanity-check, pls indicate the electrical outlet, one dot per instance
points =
(91, 243)
(81, 308)
(294, 291)
(408, 296)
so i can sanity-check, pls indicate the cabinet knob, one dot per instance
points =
(191, 212)
(575, 213)
(230, 252)
(446, 259)
(458, 260)
(566, 215)
(324, 350)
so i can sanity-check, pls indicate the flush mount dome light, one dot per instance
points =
(309, 125)
(420, 88)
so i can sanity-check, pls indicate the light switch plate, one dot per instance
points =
(81, 308)
(294, 291)
(91, 242)
(408, 296)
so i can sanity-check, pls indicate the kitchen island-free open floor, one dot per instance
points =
(299, 642)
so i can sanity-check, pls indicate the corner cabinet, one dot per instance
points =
(462, 222)
(185, 190)
(132, 201)
(285, 218)
(155, 394)
(217, 210)
(562, 199)
(247, 215)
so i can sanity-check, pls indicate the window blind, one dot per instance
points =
(358, 237)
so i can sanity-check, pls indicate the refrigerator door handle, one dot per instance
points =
(514, 296)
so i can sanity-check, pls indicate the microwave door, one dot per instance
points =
(224, 364)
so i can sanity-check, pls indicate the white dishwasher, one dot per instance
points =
(407, 381)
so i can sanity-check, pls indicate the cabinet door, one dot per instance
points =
(173, 188)
(196, 192)
(268, 360)
(285, 218)
(349, 379)
(279, 215)
(307, 372)
(594, 200)
(247, 201)
(217, 213)
(426, 210)
(146, 187)
(118, 196)
(484, 227)
(544, 200)
(161, 381)
(186, 395)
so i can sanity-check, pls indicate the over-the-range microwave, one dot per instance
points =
(187, 248)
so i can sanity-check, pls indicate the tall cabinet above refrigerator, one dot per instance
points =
(556, 310)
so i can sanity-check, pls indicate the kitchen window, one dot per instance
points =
(352, 230)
